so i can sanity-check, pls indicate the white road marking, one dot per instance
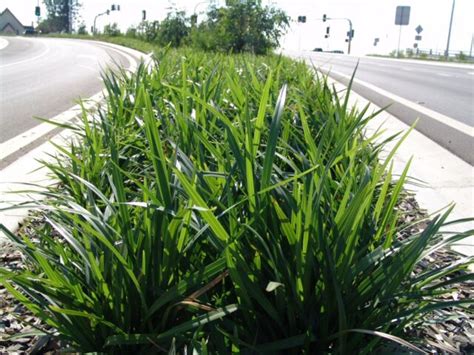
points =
(88, 68)
(3, 43)
(22, 140)
(42, 54)
(444, 74)
(87, 56)
(133, 65)
(471, 73)
(451, 122)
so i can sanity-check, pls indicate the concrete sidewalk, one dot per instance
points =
(447, 178)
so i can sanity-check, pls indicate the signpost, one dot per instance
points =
(446, 53)
(418, 30)
(402, 18)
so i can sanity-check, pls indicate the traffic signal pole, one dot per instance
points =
(349, 37)
(350, 33)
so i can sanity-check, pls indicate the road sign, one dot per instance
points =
(417, 38)
(37, 11)
(402, 16)
(419, 29)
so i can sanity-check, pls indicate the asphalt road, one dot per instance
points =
(444, 89)
(42, 77)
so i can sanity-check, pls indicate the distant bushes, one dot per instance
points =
(112, 30)
(238, 27)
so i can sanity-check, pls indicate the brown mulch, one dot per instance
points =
(450, 331)
(15, 319)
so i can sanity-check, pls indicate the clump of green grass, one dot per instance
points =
(227, 203)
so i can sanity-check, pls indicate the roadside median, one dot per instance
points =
(233, 203)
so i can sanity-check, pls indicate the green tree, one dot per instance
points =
(242, 27)
(60, 14)
(131, 32)
(148, 31)
(174, 29)
(82, 30)
(112, 30)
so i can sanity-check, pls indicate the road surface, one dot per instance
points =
(441, 96)
(42, 77)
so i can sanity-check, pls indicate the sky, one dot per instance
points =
(370, 18)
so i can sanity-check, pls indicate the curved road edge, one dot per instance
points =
(453, 135)
(15, 147)
(24, 170)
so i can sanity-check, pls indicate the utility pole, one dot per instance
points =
(472, 43)
(69, 16)
(446, 54)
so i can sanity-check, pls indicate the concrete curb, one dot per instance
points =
(448, 179)
(453, 135)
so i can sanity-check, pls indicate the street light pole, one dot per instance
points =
(446, 54)
(95, 19)
(472, 43)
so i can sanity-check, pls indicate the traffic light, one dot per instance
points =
(350, 34)
(144, 15)
(118, 7)
(108, 12)
(113, 8)
(327, 32)
(324, 18)
(37, 11)
(302, 19)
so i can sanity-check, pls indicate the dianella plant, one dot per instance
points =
(220, 203)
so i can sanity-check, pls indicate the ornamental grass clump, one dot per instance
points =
(228, 203)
